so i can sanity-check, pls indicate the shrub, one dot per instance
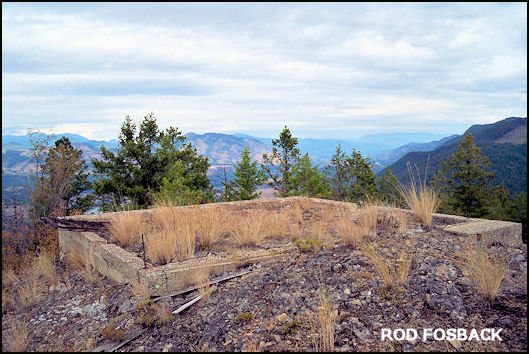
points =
(287, 327)
(244, 317)
(110, 332)
(308, 244)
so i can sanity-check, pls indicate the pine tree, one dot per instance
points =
(247, 178)
(278, 166)
(464, 182)
(134, 174)
(307, 181)
(351, 177)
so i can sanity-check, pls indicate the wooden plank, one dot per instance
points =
(190, 303)
(192, 288)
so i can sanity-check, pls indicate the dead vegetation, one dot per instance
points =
(487, 275)
(126, 227)
(210, 226)
(322, 324)
(249, 230)
(392, 277)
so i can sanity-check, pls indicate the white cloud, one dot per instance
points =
(248, 68)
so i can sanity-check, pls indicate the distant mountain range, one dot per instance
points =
(503, 142)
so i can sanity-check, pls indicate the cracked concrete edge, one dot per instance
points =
(504, 232)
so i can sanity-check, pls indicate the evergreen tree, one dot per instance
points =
(464, 182)
(387, 191)
(247, 178)
(278, 166)
(307, 181)
(227, 193)
(351, 177)
(134, 174)
(174, 190)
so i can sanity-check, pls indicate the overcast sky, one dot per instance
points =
(325, 70)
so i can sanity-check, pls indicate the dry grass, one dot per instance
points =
(211, 224)
(163, 313)
(403, 268)
(160, 247)
(367, 219)
(421, 199)
(322, 327)
(249, 230)
(202, 282)
(320, 231)
(393, 218)
(9, 277)
(380, 264)
(19, 333)
(277, 226)
(126, 228)
(486, 275)
(297, 212)
(45, 266)
(350, 232)
(86, 266)
(29, 292)
(391, 278)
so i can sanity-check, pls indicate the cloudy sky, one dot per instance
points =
(325, 70)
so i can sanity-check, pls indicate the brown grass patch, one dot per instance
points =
(367, 219)
(45, 266)
(202, 282)
(391, 277)
(126, 227)
(249, 230)
(486, 274)
(277, 226)
(211, 224)
(320, 231)
(350, 232)
(84, 264)
(160, 247)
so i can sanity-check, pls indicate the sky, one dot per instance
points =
(326, 70)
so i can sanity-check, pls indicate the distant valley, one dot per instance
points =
(505, 140)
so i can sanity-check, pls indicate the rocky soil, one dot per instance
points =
(271, 308)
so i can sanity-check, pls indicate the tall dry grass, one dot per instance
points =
(320, 231)
(30, 292)
(322, 327)
(297, 212)
(160, 246)
(45, 266)
(391, 277)
(84, 264)
(486, 274)
(211, 224)
(421, 199)
(202, 282)
(126, 228)
(173, 235)
(350, 232)
(277, 225)
(249, 230)
(368, 217)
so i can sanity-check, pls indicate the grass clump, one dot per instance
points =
(322, 325)
(126, 227)
(160, 247)
(350, 232)
(277, 226)
(210, 225)
(84, 264)
(391, 277)
(19, 333)
(421, 199)
(486, 274)
(367, 218)
(249, 230)
(287, 327)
